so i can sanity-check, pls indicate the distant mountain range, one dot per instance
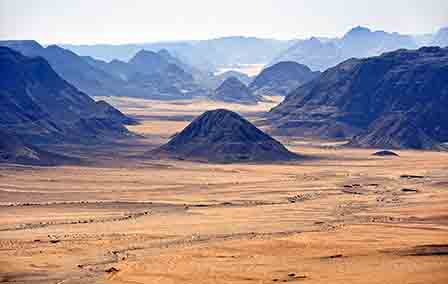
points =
(182, 70)
(204, 54)
(156, 75)
(317, 53)
(396, 100)
(359, 42)
(147, 75)
(39, 107)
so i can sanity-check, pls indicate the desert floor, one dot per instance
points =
(342, 216)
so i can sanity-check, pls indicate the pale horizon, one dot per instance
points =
(118, 22)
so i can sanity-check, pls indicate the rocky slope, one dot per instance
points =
(396, 100)
(281, 79)
(223, 136)
(38, 106)
(15, 151)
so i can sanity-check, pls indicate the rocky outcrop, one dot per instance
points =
(223, 136)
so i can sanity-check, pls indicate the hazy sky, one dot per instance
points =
(120, 21)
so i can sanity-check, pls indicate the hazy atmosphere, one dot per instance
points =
(223, 142)
(115, 21)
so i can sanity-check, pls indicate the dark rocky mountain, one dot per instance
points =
(148, 74)
(233, 90)
(396, 100)
(385, 153)
(403, 130)
(223, 136)
(359, 42)
(282, 78)
(71, 67)
(38, 106)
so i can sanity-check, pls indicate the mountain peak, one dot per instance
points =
(282, 78)
(164, 52)
(234, 91)
(55, 47)
(148, 59)
(291, 65)
(233, 81)
(144, 54)
(313, 38)
(224, 136)
(359, 30)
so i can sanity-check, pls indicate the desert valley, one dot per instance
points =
(232, 160)
(340, 216)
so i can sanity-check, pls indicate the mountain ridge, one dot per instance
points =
(40, 107)
(362, 99)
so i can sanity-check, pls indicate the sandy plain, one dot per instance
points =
(344, 216)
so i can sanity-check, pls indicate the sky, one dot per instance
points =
(135, 21)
